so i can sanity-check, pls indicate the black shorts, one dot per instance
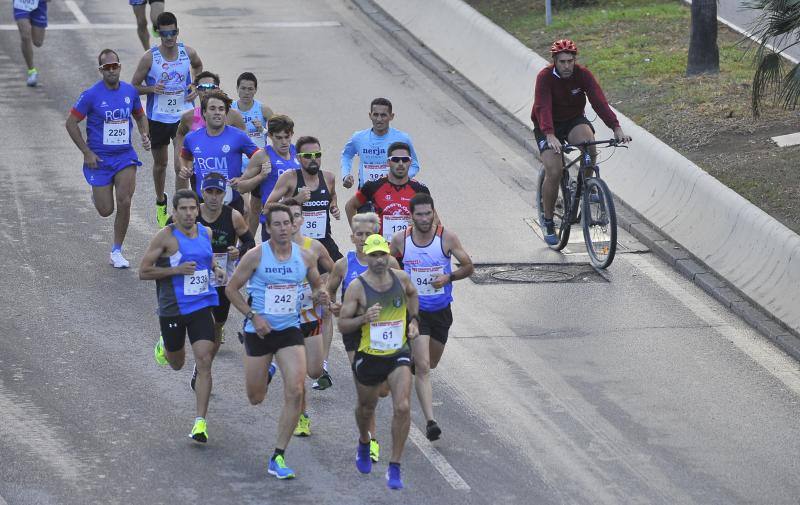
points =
(436, 324)
(351, 341)
(332, 249)
(275, 340)
(221, 311)
(198, 324)
(310, 329)
(161, 134)
(372, 370)
(562, 130)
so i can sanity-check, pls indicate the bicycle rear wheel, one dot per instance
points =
(599, 221)
(560, 212)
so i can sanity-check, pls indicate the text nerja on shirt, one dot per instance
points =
(108, 115)
(274, 288)
(279, 166)
(371, 150)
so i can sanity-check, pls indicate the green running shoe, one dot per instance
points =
(199, 432)
(158, 352)
(303, 428)
(162, 215)
(278, 468)
(374, 450)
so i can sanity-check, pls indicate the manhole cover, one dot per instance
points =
(499, 273)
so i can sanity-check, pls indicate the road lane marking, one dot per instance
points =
(759, 349)
(59, 27)
(437, 460)
(77, 12)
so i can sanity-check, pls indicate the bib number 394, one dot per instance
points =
(195, 284)
(280, 299)
(386, 335)
(26, 5)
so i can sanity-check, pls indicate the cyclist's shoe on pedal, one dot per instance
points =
(162, 215)
(199, 431)
(194, 377)
(393, 479)
(363, 459)
(278, 468)
(432, 431)
(158, 352)
(324, 381)
(549, 231)
(374, 450)
(303, 428)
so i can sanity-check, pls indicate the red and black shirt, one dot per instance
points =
(390, 200)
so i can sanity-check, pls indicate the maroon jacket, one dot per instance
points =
(560, 99)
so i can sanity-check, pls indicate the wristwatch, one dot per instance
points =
(250, 315)
(414, 318)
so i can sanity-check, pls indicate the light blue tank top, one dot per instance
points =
(256, 136)
(275, 288)
(176, 77)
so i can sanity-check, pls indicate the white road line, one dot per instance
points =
(437, 460)
(758, 348)
(2, 501)
(59, 27)
(77, 12)
(277, 24)
(116, 26)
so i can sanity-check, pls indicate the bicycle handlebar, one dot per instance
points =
(609, 143)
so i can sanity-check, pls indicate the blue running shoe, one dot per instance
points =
(393, 479)
(363, 460)
(278, 468)
(549, 231)
(271, 372)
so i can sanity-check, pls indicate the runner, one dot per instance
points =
(226, 225)
(181, 261)
(425, 250)
(31, 18)
(109, 161)
(379, 302)
(140, 12)
(256, 115)
(218, 148)
(282, 157)
(344, 271)
(389, 195)
(315, 189)
(311, 316)
(166, 71)
(274, 273)
(371, 145)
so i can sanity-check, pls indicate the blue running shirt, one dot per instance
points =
(108, 117)
(371, 151)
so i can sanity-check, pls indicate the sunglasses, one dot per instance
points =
(313, 155)
(165, 34)
(207, 85)
(108, 67)
(400, 159)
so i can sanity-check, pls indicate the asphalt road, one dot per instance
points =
(632, 387)
(742, 19)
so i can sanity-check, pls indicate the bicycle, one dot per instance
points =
(596, 213)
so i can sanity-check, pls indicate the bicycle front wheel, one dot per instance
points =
(599, 220)
(560, 212)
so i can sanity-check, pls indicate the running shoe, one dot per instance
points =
(222, 336)
(363, 460)
(162, 215)
(432, 431)
(159, 353)
(271, 372)
(374, 450)
(199, 432)
(117, 260)
(303, 428)
(33, 78)
(393, 479)
(549, 231)
(278, 468)
(324, 381)
(194, 377)
(154, 31)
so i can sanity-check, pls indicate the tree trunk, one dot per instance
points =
(703, 50)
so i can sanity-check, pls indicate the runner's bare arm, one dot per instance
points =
(144, 129)
(412, 304)
(246, 240)
(398, 244)
(244, 270)
(140, 74)
(284, 187)
(334, 281)
(350, 209)
(318, 293)
(236, 120)
(334, 208)
(194, 60)
(453, 244)
(267, 113)
(354, 302)
(148, 271)
(258, 168)
(323, 256)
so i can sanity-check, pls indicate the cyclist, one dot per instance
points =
(558, 116)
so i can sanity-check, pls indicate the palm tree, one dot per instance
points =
(778, 25)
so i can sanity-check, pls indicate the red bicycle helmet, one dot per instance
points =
(563, 46)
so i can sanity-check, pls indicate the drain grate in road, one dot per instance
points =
(533, 273)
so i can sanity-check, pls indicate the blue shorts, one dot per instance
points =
(144, 2)
(104, 174)
(38, 16)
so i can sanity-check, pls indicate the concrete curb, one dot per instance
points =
(631, 220)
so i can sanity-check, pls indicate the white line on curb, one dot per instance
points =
(77, 12)
(437, 460)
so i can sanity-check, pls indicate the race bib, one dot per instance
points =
(221, 260)
(423, 277)
(306, 299)
(393, 224)
(195, 284)
(26, 5)
(386, 335)
(280, 299)
(257, 137)
(116, 132)
(375, 172)
(315, 224)
(228, 194)
(170, 103)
